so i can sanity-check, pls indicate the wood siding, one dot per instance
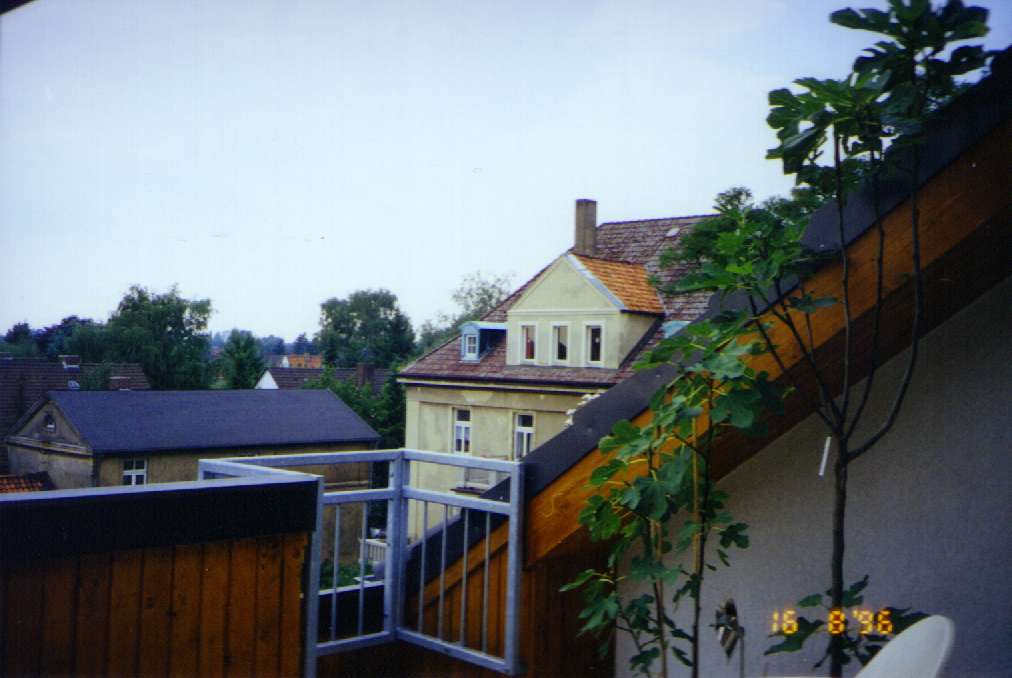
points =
(223, 608)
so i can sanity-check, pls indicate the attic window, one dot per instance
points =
(49, 422)
(470, 347)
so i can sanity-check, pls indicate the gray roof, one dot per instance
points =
(129, 421)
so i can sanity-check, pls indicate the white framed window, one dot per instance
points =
(470, 346)
(523, 434)
(135, 471)
(594, 344)
(529, 343)
(560, 343)
(462, 431)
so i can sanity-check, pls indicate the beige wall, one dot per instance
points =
(58, 451)
(430, 427)
(180, 466)
(562, 295)
(928, 509)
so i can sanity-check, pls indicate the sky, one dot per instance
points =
(271, 155)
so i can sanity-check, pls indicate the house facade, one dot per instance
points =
(101, 438)
(509, 382)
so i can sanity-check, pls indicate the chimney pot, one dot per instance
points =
(585, 241)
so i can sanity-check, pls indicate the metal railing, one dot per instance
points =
(393, 581)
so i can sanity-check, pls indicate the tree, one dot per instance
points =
(367, 326)
(872, 123)
(19, 341)
(165, 334)
(91, 342)
(241, 361)
(53, 340)
(271, 345)
(476, 295)
(301, 344)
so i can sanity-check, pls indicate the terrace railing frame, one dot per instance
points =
(397, 494)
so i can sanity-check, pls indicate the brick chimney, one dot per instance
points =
(364, 373)
(585, 241)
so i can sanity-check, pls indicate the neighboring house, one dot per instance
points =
(300, 360)
(24, 380)
(96, 438)
(296, 377)
(507, 383)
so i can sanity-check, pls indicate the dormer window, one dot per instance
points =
(478, 337)
(470, 347)
(529, 342)
(594, 344)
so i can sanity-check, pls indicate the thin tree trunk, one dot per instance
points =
(836, 642)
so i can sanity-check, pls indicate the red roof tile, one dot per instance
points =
(32, 482)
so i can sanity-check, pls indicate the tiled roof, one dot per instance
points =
(626, 281)
(25, 380)
(638, 243)
(295, 377)
(32, 482)
(135, 421)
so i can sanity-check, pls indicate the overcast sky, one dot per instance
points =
(269, 155)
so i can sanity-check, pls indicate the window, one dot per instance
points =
(523, 434)
(594, 338)
(529, 342)
(560, 343)
(470, 346)
(462, 430)
(135, 471)
(49, 422)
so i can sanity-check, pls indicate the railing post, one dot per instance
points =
(313, 587)
(513, 570)
(392, 599)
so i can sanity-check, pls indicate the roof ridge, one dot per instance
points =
(643, 221)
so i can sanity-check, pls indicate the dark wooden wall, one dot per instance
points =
(221, 608)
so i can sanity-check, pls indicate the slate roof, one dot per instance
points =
(295, 377)
(135, 421)
(637, 245)
(31, 482)
(24, 380)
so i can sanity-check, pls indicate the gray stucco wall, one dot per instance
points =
(929, 512)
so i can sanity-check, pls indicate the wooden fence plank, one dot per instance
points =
(124, 612)
(156, 605)
(268, 606)
(59, 594)
(240, 629)
(292, 567)
(22, 642)
(213, 608)
(94, 579)
(184, 643)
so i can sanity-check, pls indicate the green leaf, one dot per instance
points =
(794, 641)
(852, 597)
(580, 580)
(811, 601)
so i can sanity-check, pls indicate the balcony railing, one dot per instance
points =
(360, 609)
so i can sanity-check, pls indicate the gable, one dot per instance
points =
(563, 287)
(48, 425)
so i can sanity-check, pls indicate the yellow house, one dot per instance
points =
(507, 383)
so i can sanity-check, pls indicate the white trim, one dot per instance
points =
(560, 389)
(522, 356)
(553, 345)
(516, 429)
(138, 471)
(586, 344)
(466, 339)
(464, 425)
